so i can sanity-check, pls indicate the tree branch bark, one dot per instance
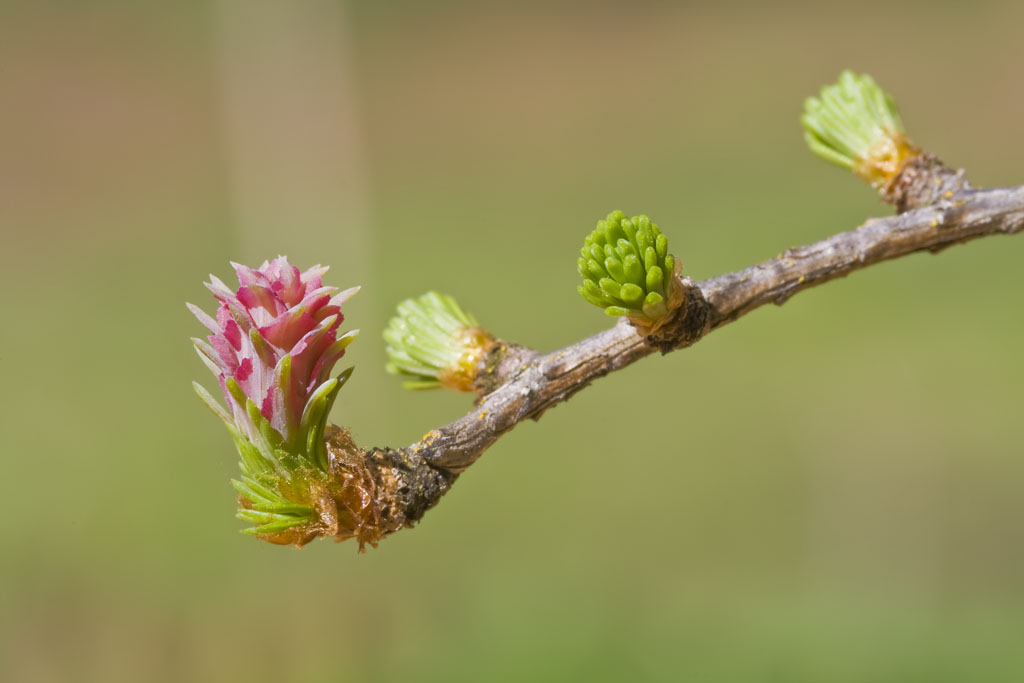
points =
(522, 384)
(550, 379)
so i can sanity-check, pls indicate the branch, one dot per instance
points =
(517, 383)
(551, 379)
(275, 339)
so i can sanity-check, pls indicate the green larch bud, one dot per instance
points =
(433, 343)
(855, 124)
(627, 271)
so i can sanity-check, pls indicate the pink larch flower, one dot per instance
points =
(272, 347)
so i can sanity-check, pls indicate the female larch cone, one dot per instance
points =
(272, 347)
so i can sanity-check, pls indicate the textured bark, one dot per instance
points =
(410, 485)
(370, 495)
(517, 383)
(503, 360)
(922, 181)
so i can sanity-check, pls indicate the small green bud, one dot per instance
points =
(432, 343)
(855, 124)
(627, 271)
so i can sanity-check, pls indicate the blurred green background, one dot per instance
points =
(828, 491)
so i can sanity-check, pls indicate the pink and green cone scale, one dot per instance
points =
(272, 347)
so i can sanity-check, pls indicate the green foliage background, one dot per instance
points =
(829, 491)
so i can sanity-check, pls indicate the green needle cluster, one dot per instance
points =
(628, 271)
(432, 343)
(856, 124)
(271, 467)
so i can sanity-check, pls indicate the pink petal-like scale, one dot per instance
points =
(276, 312)
(244, 370)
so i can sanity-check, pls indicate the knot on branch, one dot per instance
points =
(368, 495)
(922, 181)
(687, 323)
(408, 484)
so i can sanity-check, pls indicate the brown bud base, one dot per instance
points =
(475, 344)
(923, 180)
(366, 496)
(687, 323)
(883, 162)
